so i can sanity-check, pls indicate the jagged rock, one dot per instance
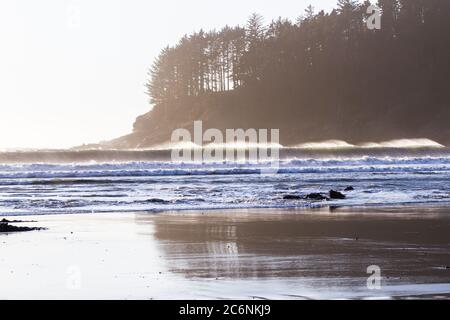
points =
(6, 227)
(316, 196)
(350, 188)
(336, 195)
(14, 221)
(291, 197)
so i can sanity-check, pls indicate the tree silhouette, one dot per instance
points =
(325, 66)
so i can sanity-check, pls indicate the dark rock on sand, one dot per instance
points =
(6, 227)
(350, 188)
(292, 197)
(316, 196)
(336, 195)
(13, 221)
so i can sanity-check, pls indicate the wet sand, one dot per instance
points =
(245, 254)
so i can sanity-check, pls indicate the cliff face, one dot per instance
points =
(407, 117)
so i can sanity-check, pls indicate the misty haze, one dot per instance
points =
(257, 151)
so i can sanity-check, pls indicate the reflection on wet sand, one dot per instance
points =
(320, 249)
(265, 253)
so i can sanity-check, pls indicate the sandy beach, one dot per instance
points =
(242, 254)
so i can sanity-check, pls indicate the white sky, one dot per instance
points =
(73, 71)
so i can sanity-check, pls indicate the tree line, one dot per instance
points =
(322, 58)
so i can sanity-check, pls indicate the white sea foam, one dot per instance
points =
(395, 144)
(404, 143)
(43, 188)
(329, 144)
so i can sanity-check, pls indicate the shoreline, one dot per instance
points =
(313, 206)
(234, 254)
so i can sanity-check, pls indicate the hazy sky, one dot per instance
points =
(73, 71)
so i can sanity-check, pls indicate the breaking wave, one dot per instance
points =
(55, 182)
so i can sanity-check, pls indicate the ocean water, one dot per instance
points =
(148, 182)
